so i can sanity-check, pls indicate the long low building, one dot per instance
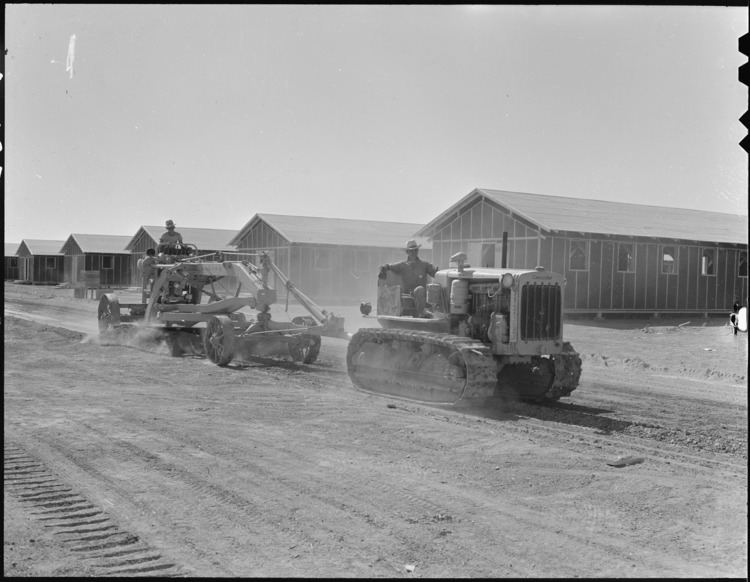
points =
(332, 260)
(100, 260)
(617, 257)
(40, 261)
(10, 261)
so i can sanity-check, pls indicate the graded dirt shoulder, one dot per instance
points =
(120, 459)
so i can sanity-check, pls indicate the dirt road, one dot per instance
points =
(122, 460)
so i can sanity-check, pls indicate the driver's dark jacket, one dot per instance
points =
(413, 273)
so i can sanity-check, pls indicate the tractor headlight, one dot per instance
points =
(507, 281)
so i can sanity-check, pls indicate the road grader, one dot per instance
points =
(487, 333)
(194, 304)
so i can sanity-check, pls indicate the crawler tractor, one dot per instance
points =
(194, 301)
(487, 332)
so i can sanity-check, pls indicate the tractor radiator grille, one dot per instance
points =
(541, 312)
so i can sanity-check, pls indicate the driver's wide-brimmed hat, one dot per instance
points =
(170, 222)
(412, 244)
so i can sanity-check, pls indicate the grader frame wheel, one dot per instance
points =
(305, 350)
(219, 340)
(108, 313)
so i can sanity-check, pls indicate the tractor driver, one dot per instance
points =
(413, 272)
(170, 239)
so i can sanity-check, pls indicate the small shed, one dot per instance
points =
(104, 254)
(332, 260)
(207, 240)
(41, 261)
(617, 257)
(11, 261)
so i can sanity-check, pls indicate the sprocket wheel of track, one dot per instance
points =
(568, 367)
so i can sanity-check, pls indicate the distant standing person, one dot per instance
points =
(169, 239)
(148, 264)
(413, 272)
(738, 318)
(147, 267)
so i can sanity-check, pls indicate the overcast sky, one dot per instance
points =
(210, 114)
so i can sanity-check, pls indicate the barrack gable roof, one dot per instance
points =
(11, 249)
(29, 247)
(205, 239)
(97, 243)
(336, 231)
(578, 215)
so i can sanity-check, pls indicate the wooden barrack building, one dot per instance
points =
(86, 255)
(616, 257)
(40, 261)
(10, 261)
(332, 260)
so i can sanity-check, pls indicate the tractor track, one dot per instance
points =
(178, 528)
(82, 526)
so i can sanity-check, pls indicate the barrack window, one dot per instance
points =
(625, 258)
(707, 263)
(669, 260)
(578, 255)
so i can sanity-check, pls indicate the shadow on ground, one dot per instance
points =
(504, 409)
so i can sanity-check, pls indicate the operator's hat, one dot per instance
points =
(412, 244)
(170, 222)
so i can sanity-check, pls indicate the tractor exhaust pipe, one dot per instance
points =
(504, 260)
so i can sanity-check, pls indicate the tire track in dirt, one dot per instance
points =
(276, 507)
(80, 523)
(339, 502)
(415, 498)
(280, 402)
(405, 495)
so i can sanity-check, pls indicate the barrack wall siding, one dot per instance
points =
(41, 268)
(11, 268)
(114, 269)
